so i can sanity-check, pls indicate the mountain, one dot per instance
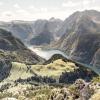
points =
(27, 76)
(27, 31)
(81, 37)
(20, 29)
(8, 42)
(46, 31)
(13, 50)
(44, 37)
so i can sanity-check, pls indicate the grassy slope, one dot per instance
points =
(18, 70)
(55, 69)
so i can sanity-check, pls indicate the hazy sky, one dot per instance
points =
(43, 9)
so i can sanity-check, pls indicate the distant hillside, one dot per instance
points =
(27, 31)
(42, 38)
(81, 39)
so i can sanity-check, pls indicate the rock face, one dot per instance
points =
(81, 39)
(28, 32)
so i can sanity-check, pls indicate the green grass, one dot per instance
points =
(54, 70)
(19, 70)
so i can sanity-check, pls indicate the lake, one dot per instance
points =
(46, 54)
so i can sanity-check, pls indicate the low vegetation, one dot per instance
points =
(54, 70)
(58, 80)
(80, 89)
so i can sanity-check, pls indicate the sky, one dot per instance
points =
(43, 9)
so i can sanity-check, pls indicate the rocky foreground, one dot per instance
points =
(57, 79)
(80, 90)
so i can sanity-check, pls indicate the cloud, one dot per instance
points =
(86, 2)
(1, 3)
(7, 15)
(33, 8)
(80, 5)
(19, 11)
(22, 12)
(70, 4)
(32, 12)
(90, 4)
(43, 9)
(93, 1)
(16, 6)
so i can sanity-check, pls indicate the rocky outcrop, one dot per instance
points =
(79, 90)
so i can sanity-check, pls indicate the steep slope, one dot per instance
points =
(20, 29)
(27, 30)
(52, 25)
(81, 39)
(46, 31)
(44, 37)
(12, 49)
(8, 42)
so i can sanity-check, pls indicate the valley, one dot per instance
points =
(46, 53)
(51, 59)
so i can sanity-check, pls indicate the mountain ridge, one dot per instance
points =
(81, 39)
(27, 30)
